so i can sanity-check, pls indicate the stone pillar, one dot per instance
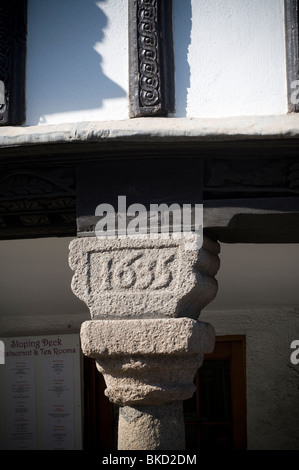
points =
(145, 296)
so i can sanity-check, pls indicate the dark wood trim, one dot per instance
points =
(292, 49)
(13, 33)
(253, 220)
(151, 60)
(233, 348)
(141, 147)
(99, 429)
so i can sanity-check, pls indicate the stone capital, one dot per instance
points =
(144, 278)
(149, 361)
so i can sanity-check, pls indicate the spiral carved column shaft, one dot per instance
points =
(145, 296)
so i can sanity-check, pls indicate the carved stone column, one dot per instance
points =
(145, 296)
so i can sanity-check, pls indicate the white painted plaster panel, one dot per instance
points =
(77, 61)
(253, 275)
(230, 58)
(35, 279)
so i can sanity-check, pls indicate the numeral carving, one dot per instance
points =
(136, 270)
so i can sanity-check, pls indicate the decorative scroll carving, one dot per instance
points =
(252, 176)
(35, 183)
(5, 35)
(151, 58)
(150, 87)
(37, 203)
(13, 33)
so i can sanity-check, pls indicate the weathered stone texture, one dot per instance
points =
(148, 362)
(145, 295)
(156, 130)
(137, 337)
(143, 278)
(162, 427)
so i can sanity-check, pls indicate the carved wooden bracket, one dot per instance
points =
(151, 58)
(13, 32)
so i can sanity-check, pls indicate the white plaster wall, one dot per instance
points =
(77, 61)
(230, 58)
(35, 288)
(257, 275)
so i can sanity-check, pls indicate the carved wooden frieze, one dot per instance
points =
(268, 177)
(13, 32)
(37, 202)
(151, 58)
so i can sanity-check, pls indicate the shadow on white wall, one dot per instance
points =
(182, 25)
(64, 68)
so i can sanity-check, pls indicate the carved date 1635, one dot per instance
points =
(136, 270)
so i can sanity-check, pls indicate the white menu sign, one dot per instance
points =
(40, 393)
(20, 404)
(58, 403)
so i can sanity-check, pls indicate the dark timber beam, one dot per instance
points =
(248, 182)
(151, 58)
(253, 220)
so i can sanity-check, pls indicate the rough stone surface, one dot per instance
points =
(152, 427)
(143, 278)
(148, 362)
(155, 130)
(176, 336)
(145, 296)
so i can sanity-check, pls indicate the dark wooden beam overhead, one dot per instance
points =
(151, 58)
(245, 200)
